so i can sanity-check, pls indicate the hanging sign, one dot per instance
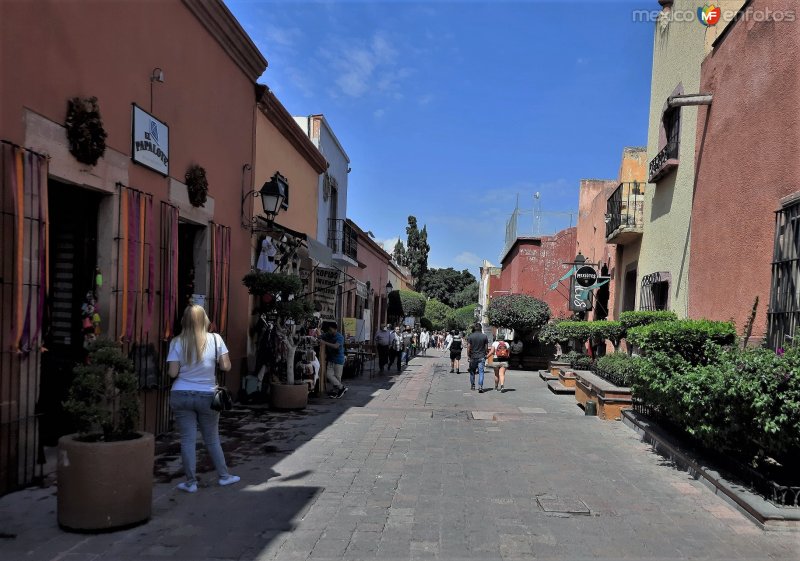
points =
(580, 299)
(586, 276)
(149, 141)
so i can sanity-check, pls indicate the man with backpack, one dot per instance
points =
(499, 353)
(455, 346)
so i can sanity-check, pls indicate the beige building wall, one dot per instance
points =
(678, 50)
(275, 153)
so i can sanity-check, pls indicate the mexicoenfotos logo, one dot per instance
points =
(709, 15)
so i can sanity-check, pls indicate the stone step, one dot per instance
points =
(546, 376)
(559, 388)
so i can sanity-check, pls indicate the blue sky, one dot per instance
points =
(450, 110)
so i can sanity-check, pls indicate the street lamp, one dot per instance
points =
(579, 259)
(389, 287)
(272, 194)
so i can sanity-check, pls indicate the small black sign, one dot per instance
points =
(586, 276)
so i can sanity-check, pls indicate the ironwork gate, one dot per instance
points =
(24, 277)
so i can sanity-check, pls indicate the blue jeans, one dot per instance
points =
(192, 409)
(476, 364)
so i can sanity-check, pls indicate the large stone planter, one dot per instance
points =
(285, 396)
(104, 485)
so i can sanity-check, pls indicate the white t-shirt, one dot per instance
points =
(198, 377)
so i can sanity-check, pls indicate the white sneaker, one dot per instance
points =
(229, 480)
(188, 487)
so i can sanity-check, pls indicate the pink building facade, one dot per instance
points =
(748, 172)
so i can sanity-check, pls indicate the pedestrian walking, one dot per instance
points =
(455, 347)
(407, 346)
(383, 342)
(424, 341)
(516, 354)
(477, 346)
(192, 361)
(396, 350)
(334, 340)
(498, 357)
(447, 340)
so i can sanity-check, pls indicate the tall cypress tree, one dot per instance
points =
(417, 250)
(399, 254)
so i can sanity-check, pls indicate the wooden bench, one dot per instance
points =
(611, 399)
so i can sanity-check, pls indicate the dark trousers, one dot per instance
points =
(394, 354)
(383, 355)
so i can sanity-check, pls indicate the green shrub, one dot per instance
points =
(637, 318)
(741, 401)
(461, 318)
(578, 361)
(103, 398)
(519, 312)
(413, 303)
(426, 323)
(551, 335)
(437, 312)
(618, 368)
(693, 340)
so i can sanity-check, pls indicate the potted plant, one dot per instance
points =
(281, 298)
(105, 470)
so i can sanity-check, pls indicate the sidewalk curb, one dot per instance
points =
(765, 514)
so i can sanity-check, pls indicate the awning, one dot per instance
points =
(319, 252)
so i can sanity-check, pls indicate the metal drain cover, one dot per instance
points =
(448, 414)
(563, 504)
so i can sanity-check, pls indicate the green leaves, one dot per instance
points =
(413, 303)
(519, 312)
(454, 288)
(694, 340)
(437, 312)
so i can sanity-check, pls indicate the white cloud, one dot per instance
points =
(378, 113)
(467, 258)
(425, 99)
(388, 245)
(284, 36)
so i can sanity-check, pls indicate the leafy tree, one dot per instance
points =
(437, 313)
(417, 250)
(466, 296)
(519, 312)
(461, 318)
(399, 255)
(446, 285)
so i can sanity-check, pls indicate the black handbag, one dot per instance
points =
(223, 400)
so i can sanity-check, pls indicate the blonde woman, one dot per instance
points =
(191, 363)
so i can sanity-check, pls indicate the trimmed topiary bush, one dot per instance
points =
(436, 312)
(637, 318)
(461, 318)
(691, 339)
(617, 368)
(413, 303)
(519, 312)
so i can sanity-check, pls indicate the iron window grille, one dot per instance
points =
(784, 305)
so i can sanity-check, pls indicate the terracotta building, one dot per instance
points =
(134, 229)
(746, 206)
(591, 238)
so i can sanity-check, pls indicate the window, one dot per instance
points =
(672, 126)
(655, 292)
(784, 298)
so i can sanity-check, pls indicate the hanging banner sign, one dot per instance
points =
(325, 281)
(566, 276)
(580, 299)
(149, 141)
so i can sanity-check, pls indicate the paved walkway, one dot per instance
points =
(416, 466)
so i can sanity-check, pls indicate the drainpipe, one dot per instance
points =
(689, 99)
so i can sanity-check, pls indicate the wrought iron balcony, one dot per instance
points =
(342, 239)
(625, 213)
(664, 162)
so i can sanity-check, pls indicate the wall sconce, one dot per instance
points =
(389, 287)
(272, 194)
(157, 75)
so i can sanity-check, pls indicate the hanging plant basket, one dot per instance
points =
(197, 185)
(85, 132)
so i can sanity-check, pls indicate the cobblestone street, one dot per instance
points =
(416, 466)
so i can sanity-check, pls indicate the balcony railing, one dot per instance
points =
(664, 162)
(342, 239)
(625, 213)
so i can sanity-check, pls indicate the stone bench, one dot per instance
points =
(610, 398)
(565, 384)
